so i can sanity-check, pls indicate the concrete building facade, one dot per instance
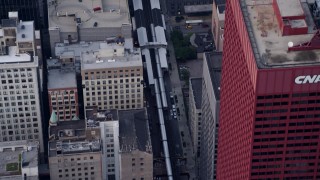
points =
(112, 76)
(210, 107)
(20, 110)
(195, 98)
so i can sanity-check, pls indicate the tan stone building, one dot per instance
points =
(112, 76)
(74, 151)
(218, 18)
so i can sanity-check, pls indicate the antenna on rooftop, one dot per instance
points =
(290, 44)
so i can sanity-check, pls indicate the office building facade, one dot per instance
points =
(112, 76)
(20, 110)
(210, 106)
(195, 98)
(269, 116)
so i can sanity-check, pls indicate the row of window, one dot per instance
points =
(111, 87)
(114, 107)
(272, 104)
(311, 94)
(25, 97)
(271, 111)
(11, 81)
(289, 131)
(18, 138)
(65, 103)
(5, 71)
(112, 82)
(16, 126)
(271, 118)
(113, 71)
(274, 96)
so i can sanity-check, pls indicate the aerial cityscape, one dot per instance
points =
(160, 89)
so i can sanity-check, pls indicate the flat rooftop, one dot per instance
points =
(106, 13)
(94, 116)
(133, 131)
(198, 8)
(269, 46)
(13, 153)
(75, 127)
(59, 79)
(70, 137)
(112, 55)
(11, 55)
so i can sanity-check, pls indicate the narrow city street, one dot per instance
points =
(182, 119)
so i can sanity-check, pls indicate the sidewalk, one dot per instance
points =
(182, 120)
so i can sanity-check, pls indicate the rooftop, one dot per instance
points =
(133, 131)
(269, 45)
(58, 78)
(106, 13)
(65, 129)
(11, 55)
(196, 84)
(198, 8)
(25, 31)
(70, 137)
(214, 61)
(16, 154)
(112, 55)
(94, 116)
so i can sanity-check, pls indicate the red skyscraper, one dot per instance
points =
(270, 92)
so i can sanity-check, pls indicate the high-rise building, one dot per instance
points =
(210, 106)
(20, 112)
(112, 76)
(74, 151)
(62, 89)
(270, 92)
